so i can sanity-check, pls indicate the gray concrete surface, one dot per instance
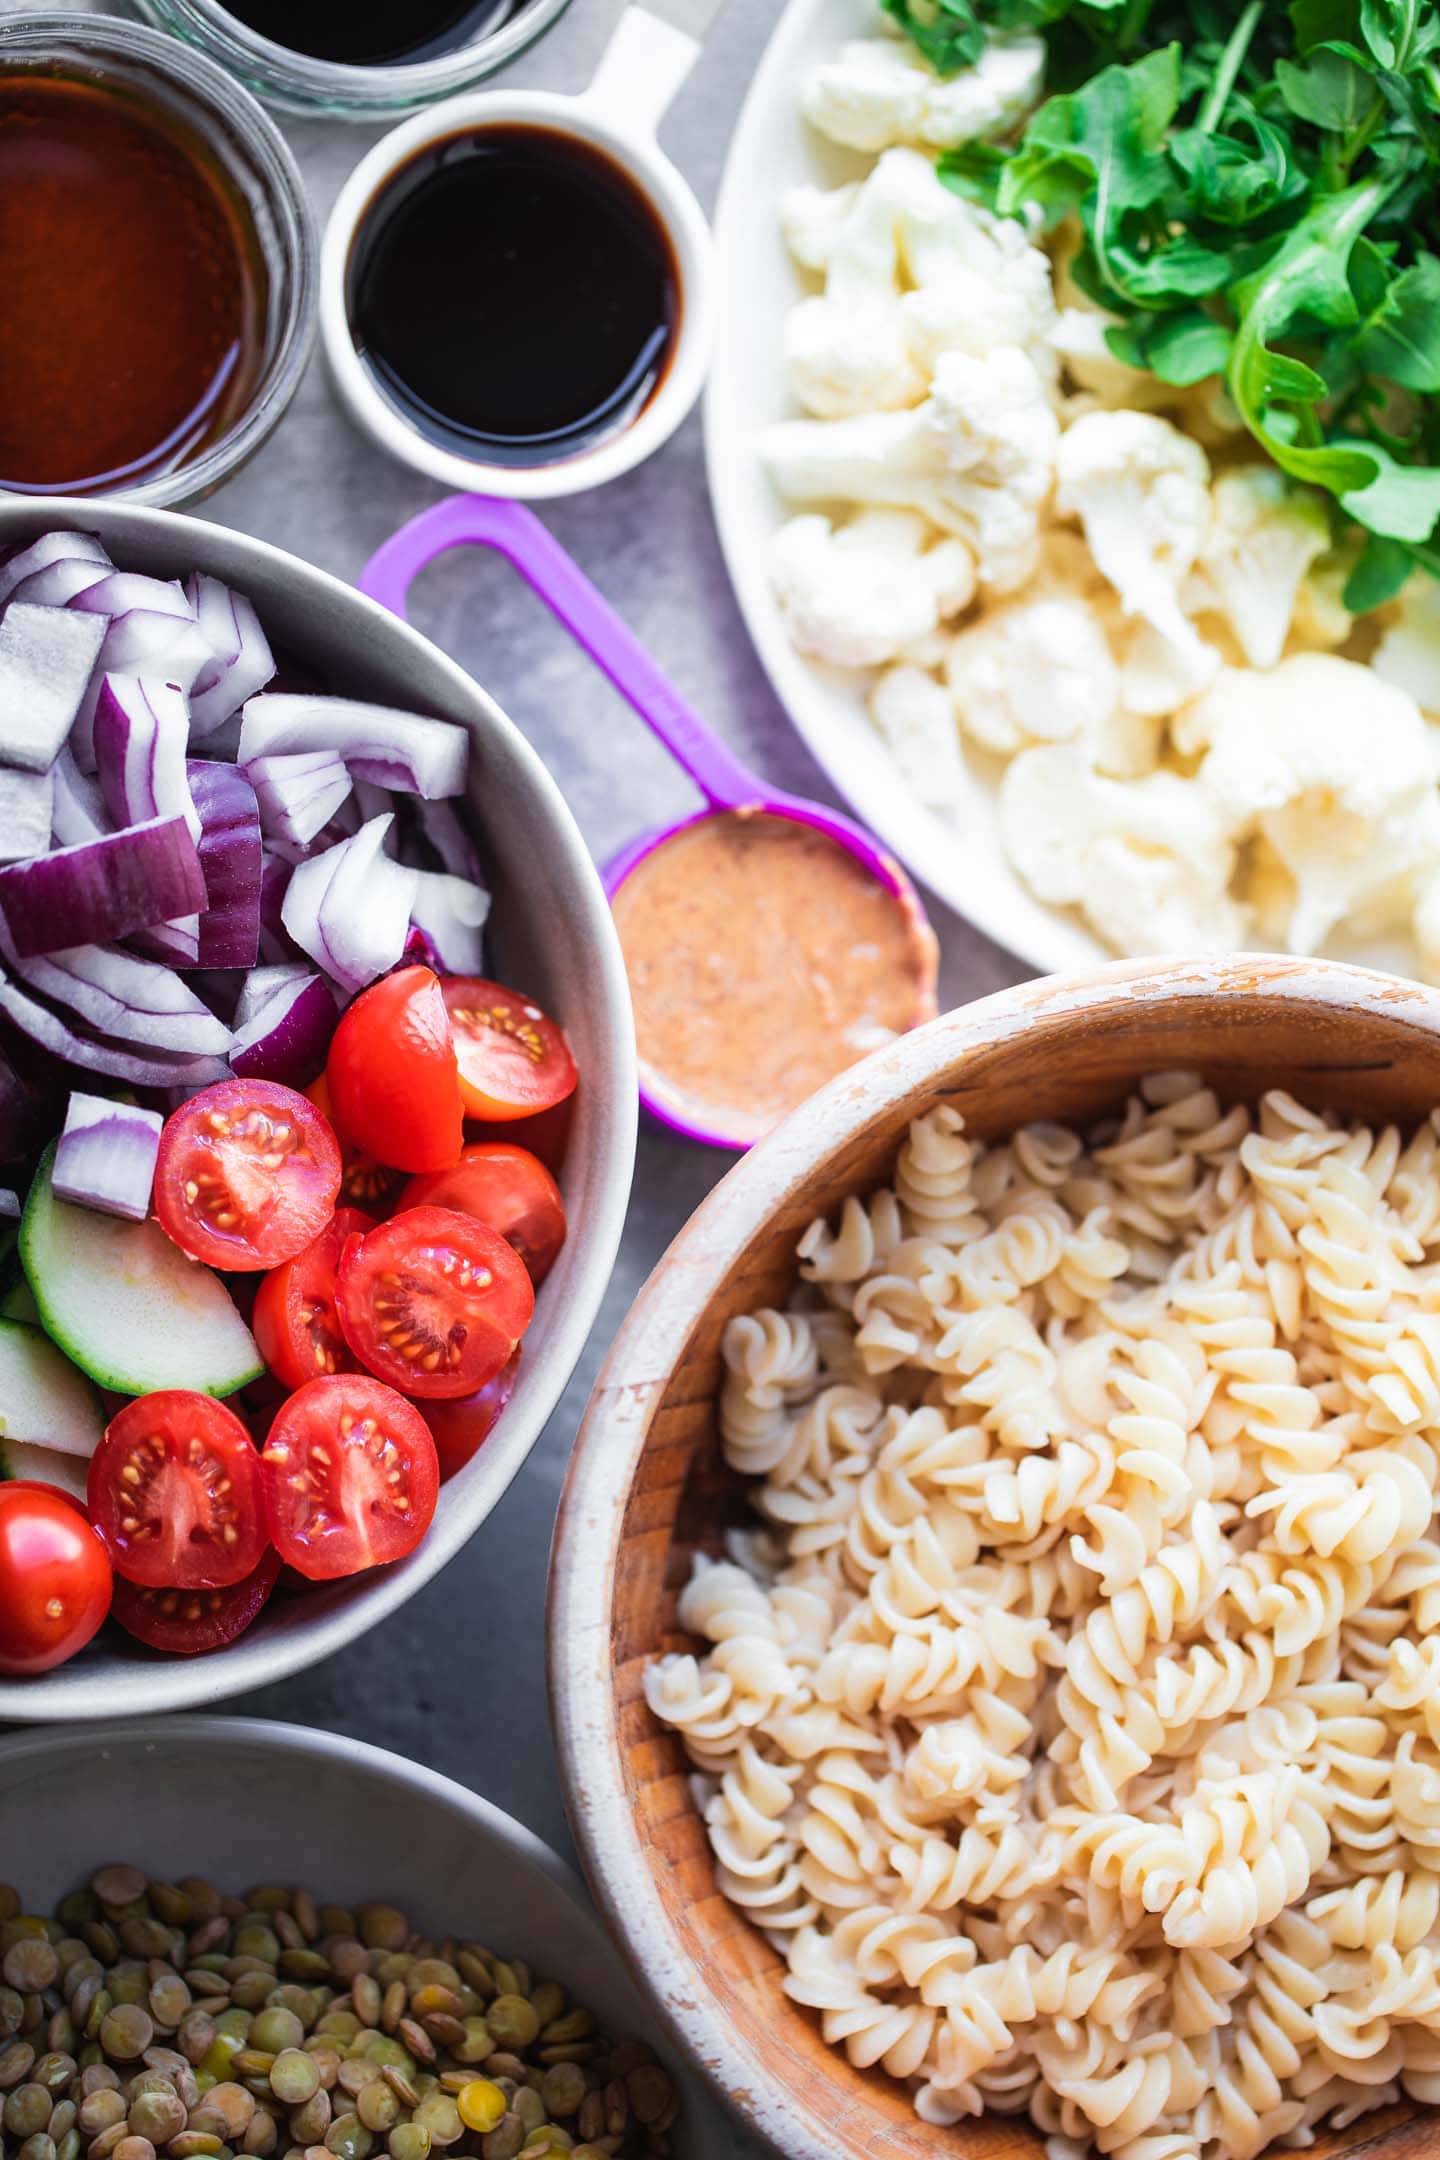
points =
(456, 1680)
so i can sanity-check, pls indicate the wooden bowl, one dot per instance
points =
(647, 1485)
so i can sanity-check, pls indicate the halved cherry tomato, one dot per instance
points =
(187, 1622)
(513, 1060)
(248, 1174)
(433, 1301)
(350, 1476)
(55, 1578)
(364, 1183)
(392, 1075)
(460, 1427)
(506, 1187)
(295, 1321)
(174, 1491)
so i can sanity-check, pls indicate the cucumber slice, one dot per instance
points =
(18, 1459)
(126, 1305)
(18, 1304)
(43, 1400)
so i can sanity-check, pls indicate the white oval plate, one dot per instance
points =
(773, 149)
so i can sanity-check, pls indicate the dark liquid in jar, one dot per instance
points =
(132, 290)
(515, 295)
(371, 35)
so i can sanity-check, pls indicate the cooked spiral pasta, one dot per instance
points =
(1073, 1727)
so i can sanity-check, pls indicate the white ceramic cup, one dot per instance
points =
(643, 66)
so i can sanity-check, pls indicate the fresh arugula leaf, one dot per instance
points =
(1233, 181)
(1324, 22)
(1330, 91)
(1402, 502)
(1381, 570)
(1401, 338)
(1181, 349)
(947, 32)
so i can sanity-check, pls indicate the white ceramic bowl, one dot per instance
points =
(552, 934)
(244, 1802)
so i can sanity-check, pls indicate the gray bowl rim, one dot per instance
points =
(150, 1685)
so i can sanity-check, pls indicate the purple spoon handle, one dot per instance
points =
(516, 533)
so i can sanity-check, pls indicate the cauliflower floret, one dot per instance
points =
(878, 91)
(1408, 654)
(860, 594)
(976, 458)
(1332, 767)
(1140, 489)
(1079, 342)
(1321, 619)
(917, 720)
(1157, 675)
(1038, 670)
(911, 271)
(1148, 861)
(1264, 534)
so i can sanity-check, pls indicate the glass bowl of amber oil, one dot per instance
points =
(357, 59)
(157, 258)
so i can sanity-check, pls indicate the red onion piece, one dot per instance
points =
(141, 729)
(27, 812)
(105, 1157)
(284, 1023)
(231, 863)
(299, 792)
(350, 907)
(138, 1068)
(450, 914)
(123, 590)
(443, 829)
(102, 890)
(243, 662)
(79, 812)
(26, 1116)
(390, 748)
(51, 547)
(47, 657)
(58, 584)
(130, 1000)
(9, 1205)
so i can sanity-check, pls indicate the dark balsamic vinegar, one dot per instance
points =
(515, 294)
(371, 33)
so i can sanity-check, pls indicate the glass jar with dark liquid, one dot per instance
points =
(357, 59)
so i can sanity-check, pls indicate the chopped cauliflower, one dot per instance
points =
(910, 271)
(1158, 674)
(879, 91)
(1037, 670)
(1332, 767)
(860, 594)
(1141, 490)
(1408, 654)
(1148, 861)
(976, 458)
(915, 716)
(1263, 536)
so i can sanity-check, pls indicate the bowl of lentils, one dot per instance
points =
(228, 1940)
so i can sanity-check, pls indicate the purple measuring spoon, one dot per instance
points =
(727, 785)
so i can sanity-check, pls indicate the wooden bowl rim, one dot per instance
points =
(636, 1373)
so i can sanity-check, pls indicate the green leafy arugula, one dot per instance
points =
(1257, 188)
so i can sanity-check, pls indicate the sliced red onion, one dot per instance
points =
(26, 1116)
(51, 547)
(130, 1000)
(277, 947)
(27, 811)
(102, 890)
(243, 662)
(162, 646)
(283, 1025)
(393, 749)
(450, 913)
(442, 826)
(173, 944)
(58, 584)
(141, 728)
(298, 791)
(105, 1157)
(47, 657)
(350, 907)
(230, 862)
(79, 813)
(124, 590)
(137, 1068)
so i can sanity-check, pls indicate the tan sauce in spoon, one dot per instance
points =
(763, 959)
